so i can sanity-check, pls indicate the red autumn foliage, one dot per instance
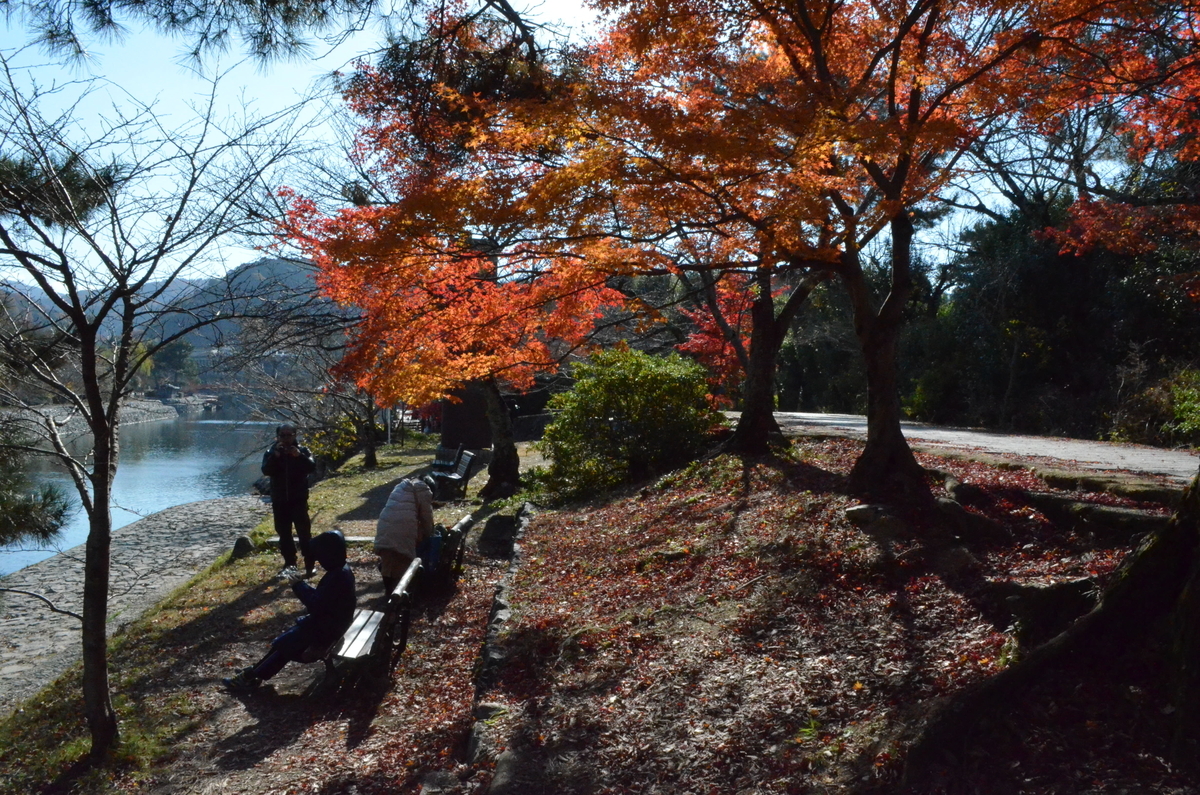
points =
(438, 314)
(710, 343)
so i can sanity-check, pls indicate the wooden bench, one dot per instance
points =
(371, 642)
(454, 546)
(445, 459)
(451, 485)
(450, 558)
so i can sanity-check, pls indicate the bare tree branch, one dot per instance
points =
(53, 607)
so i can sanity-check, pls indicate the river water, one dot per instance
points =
(162, 464)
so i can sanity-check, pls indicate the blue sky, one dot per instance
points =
(146, 67)
(149, 65)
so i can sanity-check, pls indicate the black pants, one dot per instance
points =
(287, 514)
(288, 647)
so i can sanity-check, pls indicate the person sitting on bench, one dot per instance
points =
(330, 610)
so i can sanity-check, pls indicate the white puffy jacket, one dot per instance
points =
(406, 519)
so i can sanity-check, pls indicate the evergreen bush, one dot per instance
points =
(1185, 399)
(1164, 413)
(629, 416)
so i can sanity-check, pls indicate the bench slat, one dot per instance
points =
(359, 639)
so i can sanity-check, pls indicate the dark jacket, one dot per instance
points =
(289, 475)
(330, 605)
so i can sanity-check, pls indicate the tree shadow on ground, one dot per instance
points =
(190, 653)
(279, 720)
(210, 635)
(375, 498)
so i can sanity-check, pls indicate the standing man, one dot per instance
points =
(289, 465)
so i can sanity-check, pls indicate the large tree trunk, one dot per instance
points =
(97, 702)
(504, 472)
(887, 466)
(757, 423)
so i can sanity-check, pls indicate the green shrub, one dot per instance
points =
(630, 415)
(1165, 413)
(1185, 400)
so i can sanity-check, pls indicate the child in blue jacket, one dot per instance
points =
(330, 611)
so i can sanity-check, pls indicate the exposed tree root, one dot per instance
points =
(1160, 582)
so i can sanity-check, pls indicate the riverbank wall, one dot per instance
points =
(133, 412)
(150, 558)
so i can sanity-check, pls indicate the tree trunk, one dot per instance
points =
(504, 472)
(887, 466)
(370, 453)
(757, 423)
(97, 702)
(768, 331)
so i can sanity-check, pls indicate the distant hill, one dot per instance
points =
(265, 288)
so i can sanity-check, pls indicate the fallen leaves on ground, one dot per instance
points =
(723, 630)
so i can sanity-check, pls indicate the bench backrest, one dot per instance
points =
(464, 464)
(405, 585)
(362, 638)
(445, 458)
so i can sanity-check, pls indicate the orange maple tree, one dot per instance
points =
(436, 316)
(451, 288)
(801, 133)
(778, 141)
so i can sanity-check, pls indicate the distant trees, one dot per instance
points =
(1040, 341)
(108, 235)
(284, 367)
(174, 362)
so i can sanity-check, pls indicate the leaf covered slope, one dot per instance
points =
(729, 630)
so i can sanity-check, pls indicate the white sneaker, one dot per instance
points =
(289, 573)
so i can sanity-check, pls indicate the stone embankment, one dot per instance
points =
(150, 558)
(133, 412)
(138, 411)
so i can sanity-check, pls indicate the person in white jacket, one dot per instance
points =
(405, 521)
